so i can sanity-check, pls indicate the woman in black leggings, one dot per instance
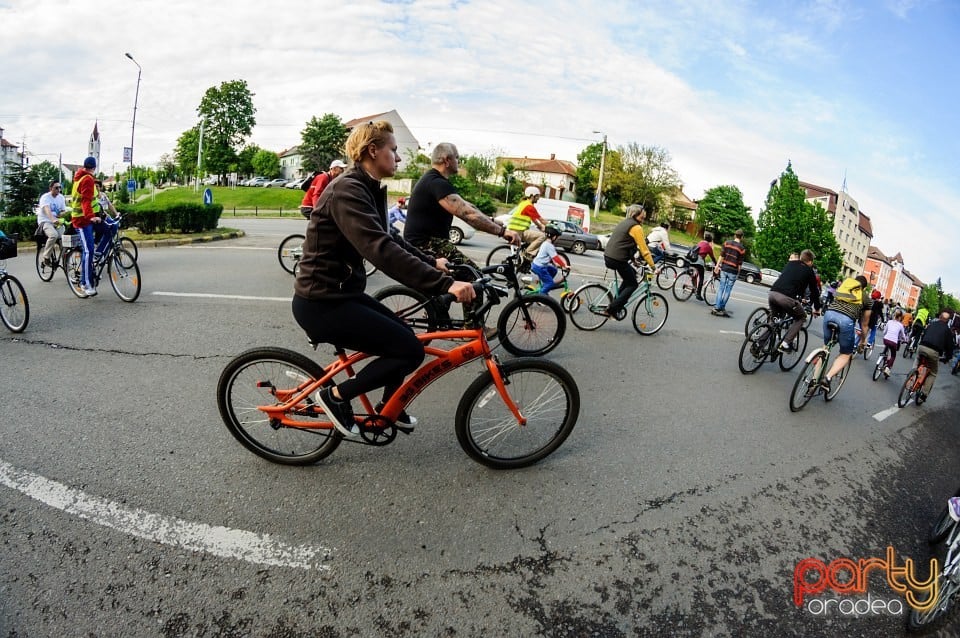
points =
(349, 224)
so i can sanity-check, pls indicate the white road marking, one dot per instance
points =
(210, 295)
(880, 416)
(206, 246)
(238, 544)
(731, 332)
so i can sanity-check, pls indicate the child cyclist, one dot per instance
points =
(546, 262)
(893, 335)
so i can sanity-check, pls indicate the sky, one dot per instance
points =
(864, 92)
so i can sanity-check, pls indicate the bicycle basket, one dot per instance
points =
(8, 248)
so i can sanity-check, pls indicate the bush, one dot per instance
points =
(25, 225)
(485, 204)
(184, 218)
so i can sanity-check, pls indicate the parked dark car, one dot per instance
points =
(677, 254)
(750, 273)
(574, 238)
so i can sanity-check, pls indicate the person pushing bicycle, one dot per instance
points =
(349, 224)
(626, 239)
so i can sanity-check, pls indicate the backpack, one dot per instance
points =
(850, 291)
(305, 185)
(693, 254)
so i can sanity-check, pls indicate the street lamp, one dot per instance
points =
(136, 97)
(603, 157)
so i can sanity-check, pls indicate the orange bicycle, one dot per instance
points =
(513, 415)
(914, 382)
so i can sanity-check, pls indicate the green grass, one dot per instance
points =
(246, 198)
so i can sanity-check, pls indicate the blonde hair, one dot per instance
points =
(363, 135)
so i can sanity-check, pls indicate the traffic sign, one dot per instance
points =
(207, 196)
(131, 185)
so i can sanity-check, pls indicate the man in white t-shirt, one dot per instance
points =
(52, 205)
(658, 241)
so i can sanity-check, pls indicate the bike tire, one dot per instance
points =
(838, 380)
(72, 267)
(45, 271)
(878, 369)
(789, 360)
(545, 393)
(709, 292)
(401, 298)
(759, 317)
(130, 246)
(531, 325)
(14, 305)
(650, 313)
(498, 255)
(755, 349)
(809, 319)
(667, 277)
(124, 275)
(933, 620)
(942, 526)
(289, 252)
(683, 287)
(590, 301)
(803, 389)
(906, 390)
(569, 301)
(241, 389)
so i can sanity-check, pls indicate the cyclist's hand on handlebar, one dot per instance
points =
(441, 264)
(649, 275)
(512, 236)
(463, 291)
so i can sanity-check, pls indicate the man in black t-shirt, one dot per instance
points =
(937, 341)
(784, 298)
(434, 203)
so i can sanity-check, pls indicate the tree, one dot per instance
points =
(266, 163)
(642, 175)
(414, 166)
(228, 113)
(22, 192)
(931, 297)
(321, 142)
(479, 168)
(588, 170)
(245, 159)
(722, 211)
(166, 169)
(507, 170)
(43, 173)
(788, 223)
(185, 155)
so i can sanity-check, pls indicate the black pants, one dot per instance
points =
(365, 325)
(628, 282)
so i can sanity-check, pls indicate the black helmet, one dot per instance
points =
(552, 231)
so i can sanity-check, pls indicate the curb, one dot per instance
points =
(23, 246)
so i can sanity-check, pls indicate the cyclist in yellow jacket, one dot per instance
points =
(526, 215)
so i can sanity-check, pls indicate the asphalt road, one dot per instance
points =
(679, 506)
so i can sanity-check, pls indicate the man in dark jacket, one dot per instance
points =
(938, 341)
(784, 298)
(731, 259)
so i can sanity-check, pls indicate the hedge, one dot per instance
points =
(185, 218)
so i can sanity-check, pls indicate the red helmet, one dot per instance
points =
(875, 294)
(402, 201)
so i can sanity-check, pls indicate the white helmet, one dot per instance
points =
(531, 191)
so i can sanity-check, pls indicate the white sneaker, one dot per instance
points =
(90, 291)
(886, 370)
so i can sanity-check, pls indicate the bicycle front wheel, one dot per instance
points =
(532, 325)
(253, 379)
(650, 313)
(878, 369)
(907, 389)
(759, 317)
(73, 267)
(545, 394)
(838, 381)
(400, 300)
(14, 306)
(710, 292)
(290, 251)
(125, 279)
(666, 277)
(590, 302)
(753, 352)
(789, 360)
(684, 286)
(498, 255)
(806, 385)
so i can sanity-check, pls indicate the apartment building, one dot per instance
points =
(891, 278)
(851, 226)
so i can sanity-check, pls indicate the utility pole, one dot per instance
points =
(603, 157)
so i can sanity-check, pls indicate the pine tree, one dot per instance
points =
(22, 192)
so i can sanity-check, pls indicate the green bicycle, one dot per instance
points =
(810, 380)
(588, 308)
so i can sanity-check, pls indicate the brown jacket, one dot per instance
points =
(348, 225)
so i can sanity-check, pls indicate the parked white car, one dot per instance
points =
(459, 230)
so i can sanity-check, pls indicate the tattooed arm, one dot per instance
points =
(461, 208)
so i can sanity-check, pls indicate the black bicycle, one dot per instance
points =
(763, 344)
(14, 305)
(529, 324)
(121, 267)
(291, 250)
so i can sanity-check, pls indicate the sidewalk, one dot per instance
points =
(23, 246)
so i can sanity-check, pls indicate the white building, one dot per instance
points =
(553, 177)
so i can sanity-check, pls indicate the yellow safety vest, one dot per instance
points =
(518, 222)
(76, 210)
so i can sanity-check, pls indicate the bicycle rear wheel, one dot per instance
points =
(755, 349)
(290, 251)
(805, 387)
(878, 369)
(44, 270)
(907, 389)
(759, 317)
(130, 246)
(590, 301)
(545, 394)
(14, 306)
(710, 292)
(532, 325)
(251, 380)
(936, 617)
(666, 277)
(400, 299)
(73, 266)
(650, 313)
(838, 381)
(683, 287)
(124, 278)
(789, 360)
(498, 255)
